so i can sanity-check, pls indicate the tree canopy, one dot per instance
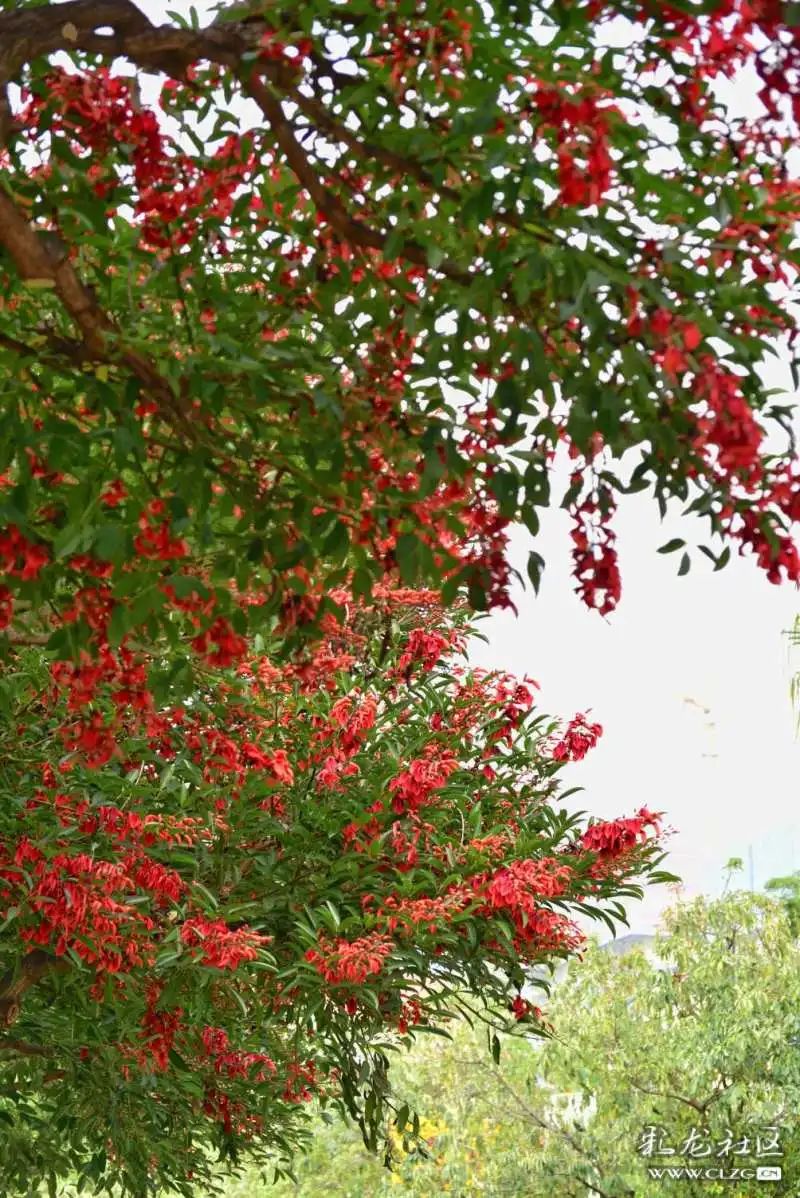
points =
(337, 288)
(299, 308)
(217, 909)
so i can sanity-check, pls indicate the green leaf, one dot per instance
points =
(671, 546)
(407, 552)
(535, 569)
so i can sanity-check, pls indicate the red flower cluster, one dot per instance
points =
(20, 557)
(594, 555)
(427, 648)
(221, 947)
(301, 1080)
(776, 553)
(728, 428)
(114, 493)
(582, 126)
(96, 112)
(82, 903)
(159, 1029)
(579, 738)
(155, 539)
(220, 645)
(416, 785)
(522, 1009)
(522, 882)
(411, 1014)
(516, 891)
(233, 1063)
(118, 678)
(611, 838)
(411, 913)
(276, 763)
(343, 961)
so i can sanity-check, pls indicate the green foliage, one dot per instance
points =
(704, 1036)
(787, 889)
(259, 893)
(415, 267)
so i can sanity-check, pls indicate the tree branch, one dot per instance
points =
(700, 1106)
(321, 118)
(72, 25)
(24, 1048)
(574, 1144)
(16, 983)
(54, 352)
(35, 264)
(32, 33)
(318, 114)
(331, 207)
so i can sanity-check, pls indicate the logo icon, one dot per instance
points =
(768, 1173)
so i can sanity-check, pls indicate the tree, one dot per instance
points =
(218, 907)
(787, 889)
(694, 1049)
(375, 268)
(297, 310)
(708, 1043)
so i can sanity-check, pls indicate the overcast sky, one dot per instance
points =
(727, 779)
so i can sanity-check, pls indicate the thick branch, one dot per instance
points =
(49, 349)
(35, 264)
(32, 33)
(16, 983)
(23, 1048)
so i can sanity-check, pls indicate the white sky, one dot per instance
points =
(727, 780)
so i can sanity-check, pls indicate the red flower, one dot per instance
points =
(416, 785)
(114, 493)
(578, 739)
(613, 837)
(21, 557)
(691, 336)
(350, 961)
(230, 647)
(521, 1008)
(222, 947)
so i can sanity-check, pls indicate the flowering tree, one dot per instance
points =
(269, 882)
(297, 309)
(333, 285)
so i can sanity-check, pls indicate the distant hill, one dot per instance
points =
(621, 945)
